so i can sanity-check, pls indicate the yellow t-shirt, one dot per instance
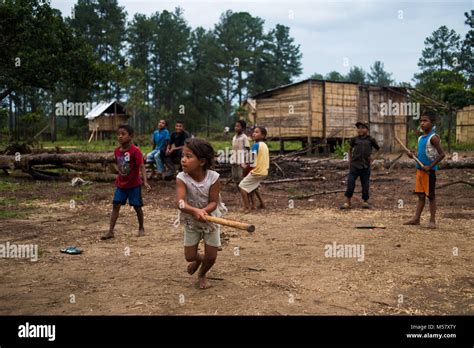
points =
(261, 157)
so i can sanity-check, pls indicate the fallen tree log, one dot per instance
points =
(83, 162)
(318, 194)
(279, 181)
(467, 162)
(454, 183)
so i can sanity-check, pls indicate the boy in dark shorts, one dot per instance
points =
(129, 161)
(430, 153)
(359, 164)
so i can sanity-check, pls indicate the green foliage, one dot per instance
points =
(356, 74)
(334, 76)
(341, 149)
(378, 75)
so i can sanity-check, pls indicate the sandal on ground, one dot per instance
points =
(72, 250)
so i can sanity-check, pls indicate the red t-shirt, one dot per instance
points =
(128, 163)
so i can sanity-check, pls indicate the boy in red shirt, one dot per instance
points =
(129, 161)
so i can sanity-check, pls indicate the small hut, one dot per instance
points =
(465, 125)
(322, 111)
(104, 119)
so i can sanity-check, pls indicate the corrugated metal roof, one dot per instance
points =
(99, 109)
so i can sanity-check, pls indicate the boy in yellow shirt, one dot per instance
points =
(260, 164)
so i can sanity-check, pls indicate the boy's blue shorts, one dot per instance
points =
(134, 196)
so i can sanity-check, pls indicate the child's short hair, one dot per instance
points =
(242, 123)
(129, 129)
(179, 122)
(263, 130)
(430, 114)
(202, 149)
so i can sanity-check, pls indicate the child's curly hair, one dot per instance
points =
(202, 149)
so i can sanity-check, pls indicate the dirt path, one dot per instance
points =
(282, 268)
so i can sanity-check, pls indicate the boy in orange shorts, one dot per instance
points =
(430, 154)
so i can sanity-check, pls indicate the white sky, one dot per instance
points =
(331, 32)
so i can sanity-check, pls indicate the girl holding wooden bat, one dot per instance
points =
(198, 196)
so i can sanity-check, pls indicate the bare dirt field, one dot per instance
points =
(280, 269)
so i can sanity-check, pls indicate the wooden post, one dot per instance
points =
(11, 118)
(324, 111)
(450, 123)
(53, 121)
(368, 106)
(114, 124)
(279, 126)
(310, 119)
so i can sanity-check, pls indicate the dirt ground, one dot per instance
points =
(279, 269)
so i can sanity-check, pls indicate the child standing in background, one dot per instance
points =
(129, 161)
(259, 169)
(359, 164)
(240, 149)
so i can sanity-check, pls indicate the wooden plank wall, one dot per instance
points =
(342, 109)
(107, 123)
(465, 125)
(285, 114)
(384, 127)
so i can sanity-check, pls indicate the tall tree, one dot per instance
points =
(279, 60)
(334, 76)
(356, 74)
(441, 50)
(440, 75)
(102, 24)
(140, 42)
(317, 76)
(204, 83)
(378, 75)
(467, 51)
(170, 51)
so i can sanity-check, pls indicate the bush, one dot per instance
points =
(341, 149)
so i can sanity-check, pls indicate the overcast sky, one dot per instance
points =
(331, 33)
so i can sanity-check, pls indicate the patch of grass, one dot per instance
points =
(8, 201)
(9, 186)
(11, 214)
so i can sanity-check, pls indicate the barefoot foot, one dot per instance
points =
(412, 222)
(431, 225)
(204, 283)
(108, 235)
(141, 232)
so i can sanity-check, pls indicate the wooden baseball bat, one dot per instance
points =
(231, 223)
(406, 149)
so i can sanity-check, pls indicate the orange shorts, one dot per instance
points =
(426, 182)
